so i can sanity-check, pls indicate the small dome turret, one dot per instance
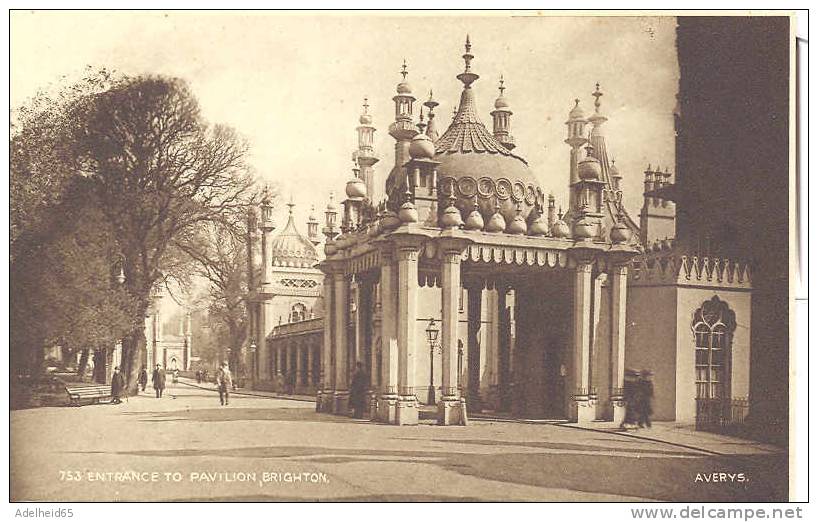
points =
(560, 228)
(497, 223)
(589, 168)
(451, 216)
(620, 233)
(474, 221)
(518, 225)
(584, 228)
(539, 227)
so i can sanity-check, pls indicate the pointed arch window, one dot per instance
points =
(713, 326)
(298, 313)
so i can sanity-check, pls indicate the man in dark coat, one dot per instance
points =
(645, 394)
(143, 378)
(630, 396)
(224, 380)
(117, 386)
(158, 380)
(357, 391)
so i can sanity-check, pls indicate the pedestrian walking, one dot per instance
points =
(629, 395)
(176, 376)
(143, 379)
(645, 402)
(158, 380)
(225, 381)
(117, 386)
(357, 391)
(199, 376)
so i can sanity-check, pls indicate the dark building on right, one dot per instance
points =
(732, 178)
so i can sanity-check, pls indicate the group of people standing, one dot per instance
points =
(118, 388)
(638, 396)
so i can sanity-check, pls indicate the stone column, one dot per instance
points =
(475, 312)
(504, 349)
(450, 410)
(341, 298)
(357, 341)
(407, 407)
(265, 309)
(310, 362)
(581, 410)
(491, 398)
(619, 293)
(387, 402)
(325, 397)
(299, 366)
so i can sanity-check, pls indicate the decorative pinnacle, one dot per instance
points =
(366, 105)
(421, 125)
(597, 94)
(291, 204)
(467, 77)
(403, 70)
(431, 103)
(502, 87)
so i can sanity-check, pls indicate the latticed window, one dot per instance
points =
(712, 326)
(298, 313)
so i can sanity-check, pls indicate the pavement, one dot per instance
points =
(186, 447)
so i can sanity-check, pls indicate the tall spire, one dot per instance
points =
(402, 130)
(467, 77)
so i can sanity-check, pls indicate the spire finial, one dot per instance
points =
(290, 203)
(431, 103)
(403, 70)
(597, 94)
(467, 77)
(502, 87)
(421, 125)
(366, 105)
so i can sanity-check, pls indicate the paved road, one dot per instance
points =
(186, 446)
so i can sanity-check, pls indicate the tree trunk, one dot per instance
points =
(99, 365)
(132, 348)
(83, 365)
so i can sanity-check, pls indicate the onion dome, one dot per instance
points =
(584, 228)
(290, 248)
(331, 206)
(538, 227)
(421, 146)
(451, 216)
(474, 221)
(501, 103)
(589, 168)
(614, 170)
(497, 223)
(470, 154)
(576, 114)
(517, 225)
(404, 87)
(390, 220)
(560, 228)
(408, 213)
(620, 233)
(356, 188)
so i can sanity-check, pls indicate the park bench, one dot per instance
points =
(78, 392)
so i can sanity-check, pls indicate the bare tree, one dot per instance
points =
(160, 171)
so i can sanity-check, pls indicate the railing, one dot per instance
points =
(717, 414)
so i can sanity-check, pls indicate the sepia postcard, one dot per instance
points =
(444, 256)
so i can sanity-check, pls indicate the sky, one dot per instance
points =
(293, 84)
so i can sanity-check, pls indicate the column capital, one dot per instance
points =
(408, 253)
(584, 267)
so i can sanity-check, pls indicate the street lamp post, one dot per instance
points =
(120, 278)
(431, 335)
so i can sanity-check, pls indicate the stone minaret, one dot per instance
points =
(576, 138)
(402, 130)
(365, 155)
(502, 119)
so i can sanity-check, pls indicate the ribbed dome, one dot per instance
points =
(482, 167)
(501, 103)
(421, 147)
(365, 119)
(290, 248)
(404, 87)
(576, 113)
